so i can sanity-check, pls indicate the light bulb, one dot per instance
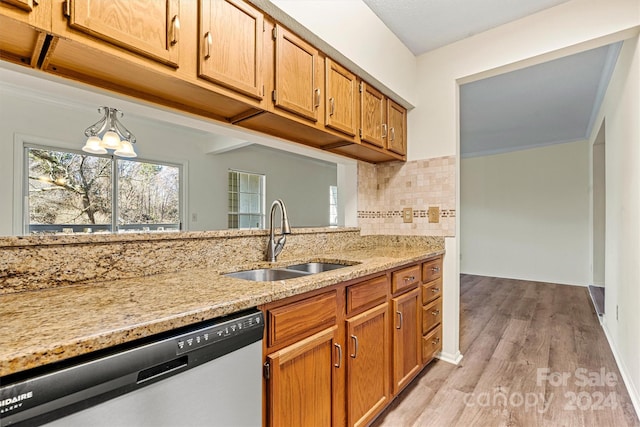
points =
(125, 150)
(111, 140)
(93, 146)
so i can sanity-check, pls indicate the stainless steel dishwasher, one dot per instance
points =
(209, 374)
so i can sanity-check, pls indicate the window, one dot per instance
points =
(333, 205)
(71, 191)
(246, 200)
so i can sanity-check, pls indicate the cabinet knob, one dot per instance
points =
(435, 341)
(435, 312)
(409, 278)
(392, 132)
(332, 106)
(355, 346)
(175, 25)
(209, 42)
(317, 103)
(399, 313)
(435, 290)
(384, 130)
(339, 362)
(435, 269)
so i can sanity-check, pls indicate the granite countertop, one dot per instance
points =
(50, 325)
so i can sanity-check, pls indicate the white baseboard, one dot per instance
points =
(631, 389)
(450, 358)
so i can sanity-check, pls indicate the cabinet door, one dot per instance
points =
(372, 116)
(231, 45)
(300, 388)
(367, 364)
(149, 28)
(296, 89)
(341, 99)
(22, 4)
(406, 338)
(396, 138)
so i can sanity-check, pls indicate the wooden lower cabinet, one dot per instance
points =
(407, 361)
(338, 356)
(367, 364)
(300, 387)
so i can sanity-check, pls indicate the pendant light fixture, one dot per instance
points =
(109, 134)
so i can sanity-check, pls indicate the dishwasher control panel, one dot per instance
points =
(219, 332)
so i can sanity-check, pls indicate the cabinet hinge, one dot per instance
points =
(66, 8)
(273, 96)
(360, 130)
(360, 87)
(262, 90)
(274, 33)
(264, 26)
(266, 370)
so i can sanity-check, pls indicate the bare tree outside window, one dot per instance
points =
(68, 190)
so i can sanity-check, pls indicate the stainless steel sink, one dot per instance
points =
(315, 267)
(266, 274)
(290, 272)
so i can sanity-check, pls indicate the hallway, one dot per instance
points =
(534, 355)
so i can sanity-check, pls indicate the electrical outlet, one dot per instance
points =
(434, 214)
(407, 215)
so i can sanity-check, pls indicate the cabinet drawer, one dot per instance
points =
(367, 294)
(431, 290)
(432, 270)
(431, 315)
(431, 344)
(405, 279)
(301, 319)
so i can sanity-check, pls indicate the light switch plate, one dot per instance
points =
(407, 215)
(434, 214)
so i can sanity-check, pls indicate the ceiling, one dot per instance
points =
(549, 103)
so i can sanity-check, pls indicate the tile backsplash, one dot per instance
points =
(384, 190)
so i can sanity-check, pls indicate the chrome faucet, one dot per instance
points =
(274, 248)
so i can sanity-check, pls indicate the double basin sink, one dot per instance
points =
(283, 273)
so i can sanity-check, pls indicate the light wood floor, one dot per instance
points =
(519, 339)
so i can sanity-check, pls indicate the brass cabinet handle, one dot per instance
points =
(384, 130)
(435, 290)
(339, 363)
(400, 317)
(175, 24)
(355, 346)
(409, 278)
(392, 131)
(435, 312)
(317, 104)
(332, 106)
(435, 341)
(209, 40)
(435, 269)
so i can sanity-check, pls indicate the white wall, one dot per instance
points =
(621, 110)
(303, 183)
(525, 214)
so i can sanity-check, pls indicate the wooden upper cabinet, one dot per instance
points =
(341, 102)
(22, 4)
(230, 45)
(372, 116)
(397, 132)
(147, 27)
(296, 88)
(23, 29)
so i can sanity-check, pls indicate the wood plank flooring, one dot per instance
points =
(534, 355)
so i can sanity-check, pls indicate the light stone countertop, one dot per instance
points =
(50, 325)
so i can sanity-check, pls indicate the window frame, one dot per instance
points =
(263, 193)
(24, 143)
